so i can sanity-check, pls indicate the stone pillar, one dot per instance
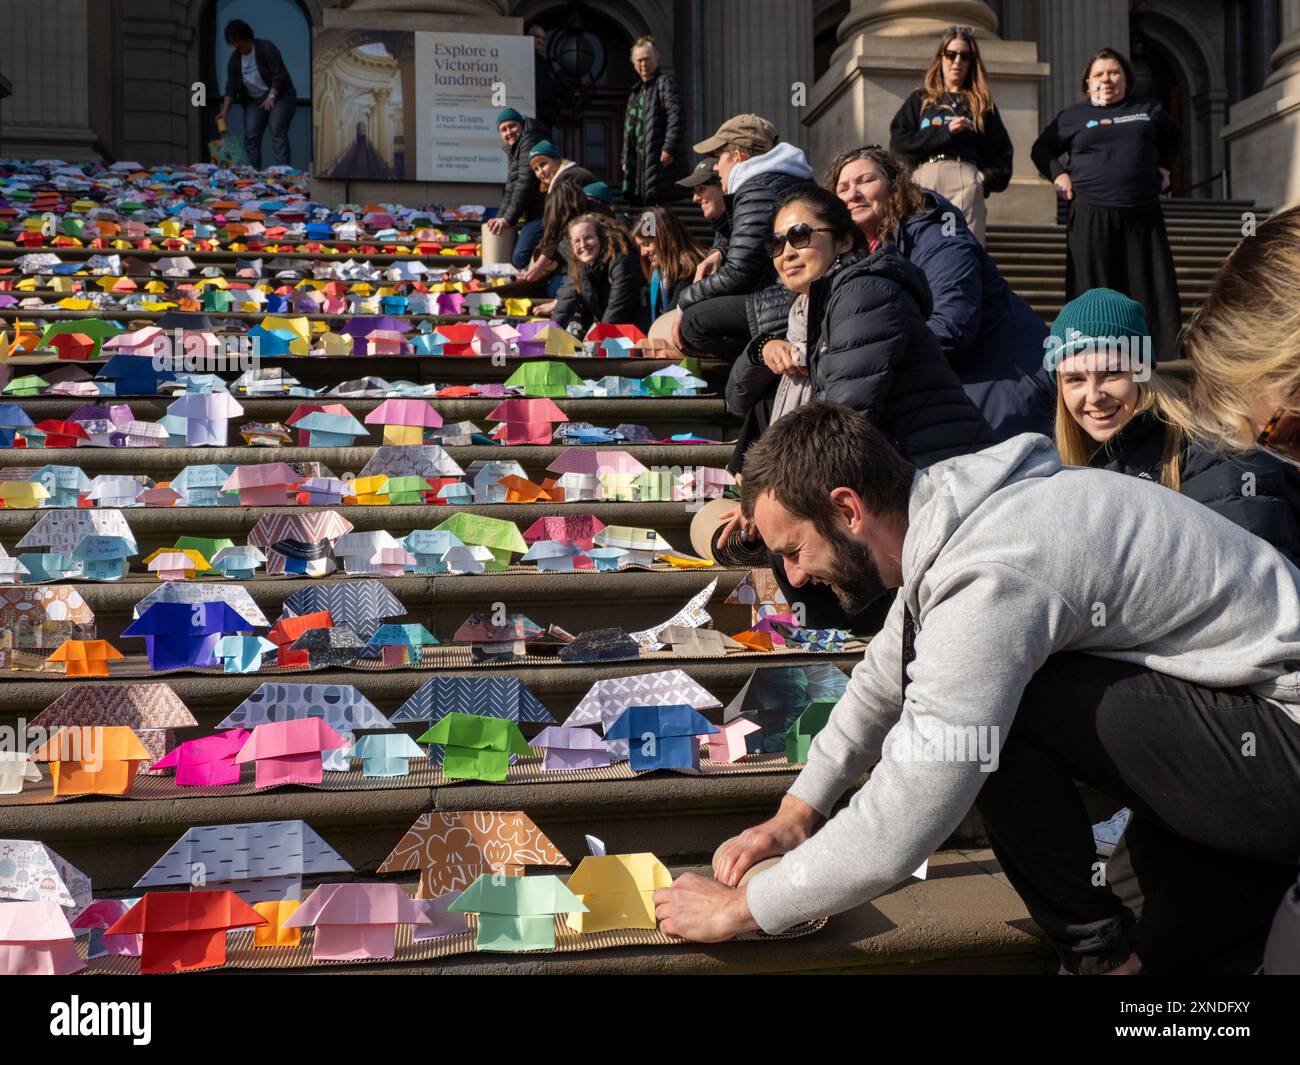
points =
(886, 46)
(1070, 34)
(383, 131)
(44, 50)
(765, 48)
(1263, 130)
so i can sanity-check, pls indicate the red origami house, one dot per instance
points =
(72, 347)
(285, 632)
(184, 929)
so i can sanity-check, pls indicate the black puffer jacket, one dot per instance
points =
(746, 267)
(721, 232)
(522, 195)
(608, 291)
(663, 128)
(870, 349)
(1256, 491)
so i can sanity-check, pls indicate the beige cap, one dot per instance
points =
(753, 133)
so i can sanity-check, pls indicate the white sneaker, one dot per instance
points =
(1106, 834)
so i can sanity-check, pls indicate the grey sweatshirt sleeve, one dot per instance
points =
(985, 631)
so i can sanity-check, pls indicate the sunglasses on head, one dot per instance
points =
(797, 236)
(1281, 436)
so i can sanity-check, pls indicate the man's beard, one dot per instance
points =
(856, 581)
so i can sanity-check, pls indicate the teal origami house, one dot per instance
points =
(103, 558)
(386, 754)
(401, 644)
(516, 912)
(330, 430)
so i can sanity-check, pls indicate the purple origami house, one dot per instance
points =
(570, 748)
(356, 921)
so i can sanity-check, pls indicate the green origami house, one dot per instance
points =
(476, 748)
(516, 912)
(799, 736)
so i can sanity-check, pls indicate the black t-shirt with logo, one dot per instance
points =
(919, 131)
(1115, 151)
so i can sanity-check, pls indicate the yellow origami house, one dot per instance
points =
(273, 933)
(23, 495)
(370, 491)
(618, 891)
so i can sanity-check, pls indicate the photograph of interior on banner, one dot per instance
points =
(402, 105)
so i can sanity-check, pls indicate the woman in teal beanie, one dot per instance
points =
(1115, 412)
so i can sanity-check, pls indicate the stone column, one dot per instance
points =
(1070, 34)
(383, 131)
(1263, 130)
(886, 46)
(765, 52)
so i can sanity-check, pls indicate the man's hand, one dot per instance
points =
(736, 520)
(708, 265)
(666, 158)
(794, 822)
(703, 910)
(543, 309)
(1064, 186)
(678, 343)
(779, 357)
(495, 225)
(268, 103)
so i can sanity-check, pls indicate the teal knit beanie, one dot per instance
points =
(1097, 313)
(510, 115)
(544, 148)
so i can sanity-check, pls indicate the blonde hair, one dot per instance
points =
(645, 42)
(975, 94)
(1244, 341)
(1156, 395)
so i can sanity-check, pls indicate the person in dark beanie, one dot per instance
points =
(1120, 152)
(562, 180)
(654, 131)
(521, 199)
(1114, 412)
(257, 78)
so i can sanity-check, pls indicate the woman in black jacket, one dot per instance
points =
(950, 132)
(1114, 412)
(1120, 152)
(604, 280)
(654, 131)
(857, 335)
(669, 257)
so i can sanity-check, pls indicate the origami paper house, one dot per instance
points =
(260, 861)
(516, 913)
(342, 706)
(63, 433)
(728, 744)
(323, 491)
(50, 566)
(266, 485)
(242, 654)
(456, 494)
(101, 914)
(201, 486)
(618, 891)
(207, 417)
(12, 419)
(356, 921)
(760, 592)
(475, 747)
(16, 768)
(774, 696)
(570, 748)
(184, 930)
(544, 379)
(36, 940)
(401, 644)
(274, 933)
(407, 490)
(336, 646)
(85, 658)
(356, 549)
(404, 420)
(26, 495)
(64, 485)
(238, 563)
(290, 752)
(115, 490)
(179, 634)
(330, 429)
(95, 760)
(386, 754)
(577, 529)
(360, 605)
(799, 736)
(687, 640)
(104, 558)
(320, 527)
(546, 338)
(77, 347)
(606, 700)
(233, 595)
(673, 380)
(555, 556)
(485, 694)
(661, 737)
(207, 761)
(641, 545)
(526, 421)
(32, 872)
(429, 461)
(601, 645)
(493, 641)
(501, 537)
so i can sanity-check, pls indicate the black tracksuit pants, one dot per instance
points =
(1213, 780)
(1126, 249)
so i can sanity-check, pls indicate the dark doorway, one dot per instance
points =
(1157, 79)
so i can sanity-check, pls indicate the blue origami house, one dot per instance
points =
(200, 486)
(185, 634)
(133, 375)
(661, 737)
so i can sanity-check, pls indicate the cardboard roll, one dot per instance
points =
(708, 523)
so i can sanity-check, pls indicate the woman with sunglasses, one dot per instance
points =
(1114, 412)
(1120, 149)
(856, 335)
(990, 336)
(950, 132)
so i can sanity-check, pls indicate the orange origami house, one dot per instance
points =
(93, 759)
(184, 929)
(85, 658)
(285, 632)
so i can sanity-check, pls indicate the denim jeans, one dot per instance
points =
(530, 234)
(278, 118)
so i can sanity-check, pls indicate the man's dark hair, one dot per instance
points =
(238, 30)
(826, 207)
(810, 452)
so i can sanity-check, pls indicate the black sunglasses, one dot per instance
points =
(953, 57)
(1281, 436)
(797, 236)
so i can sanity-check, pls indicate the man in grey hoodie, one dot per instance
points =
(1053, 624)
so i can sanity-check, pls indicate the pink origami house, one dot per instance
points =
(164, 496)
(149, 341)
(206, 761)
(393, 561)
(490, 340)
(404, 420)
(526, 421)
(266, 485)
(101, 914)
(356, 921)
(385, 342)
(36, 940)
(728, 743)
(290, 752)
